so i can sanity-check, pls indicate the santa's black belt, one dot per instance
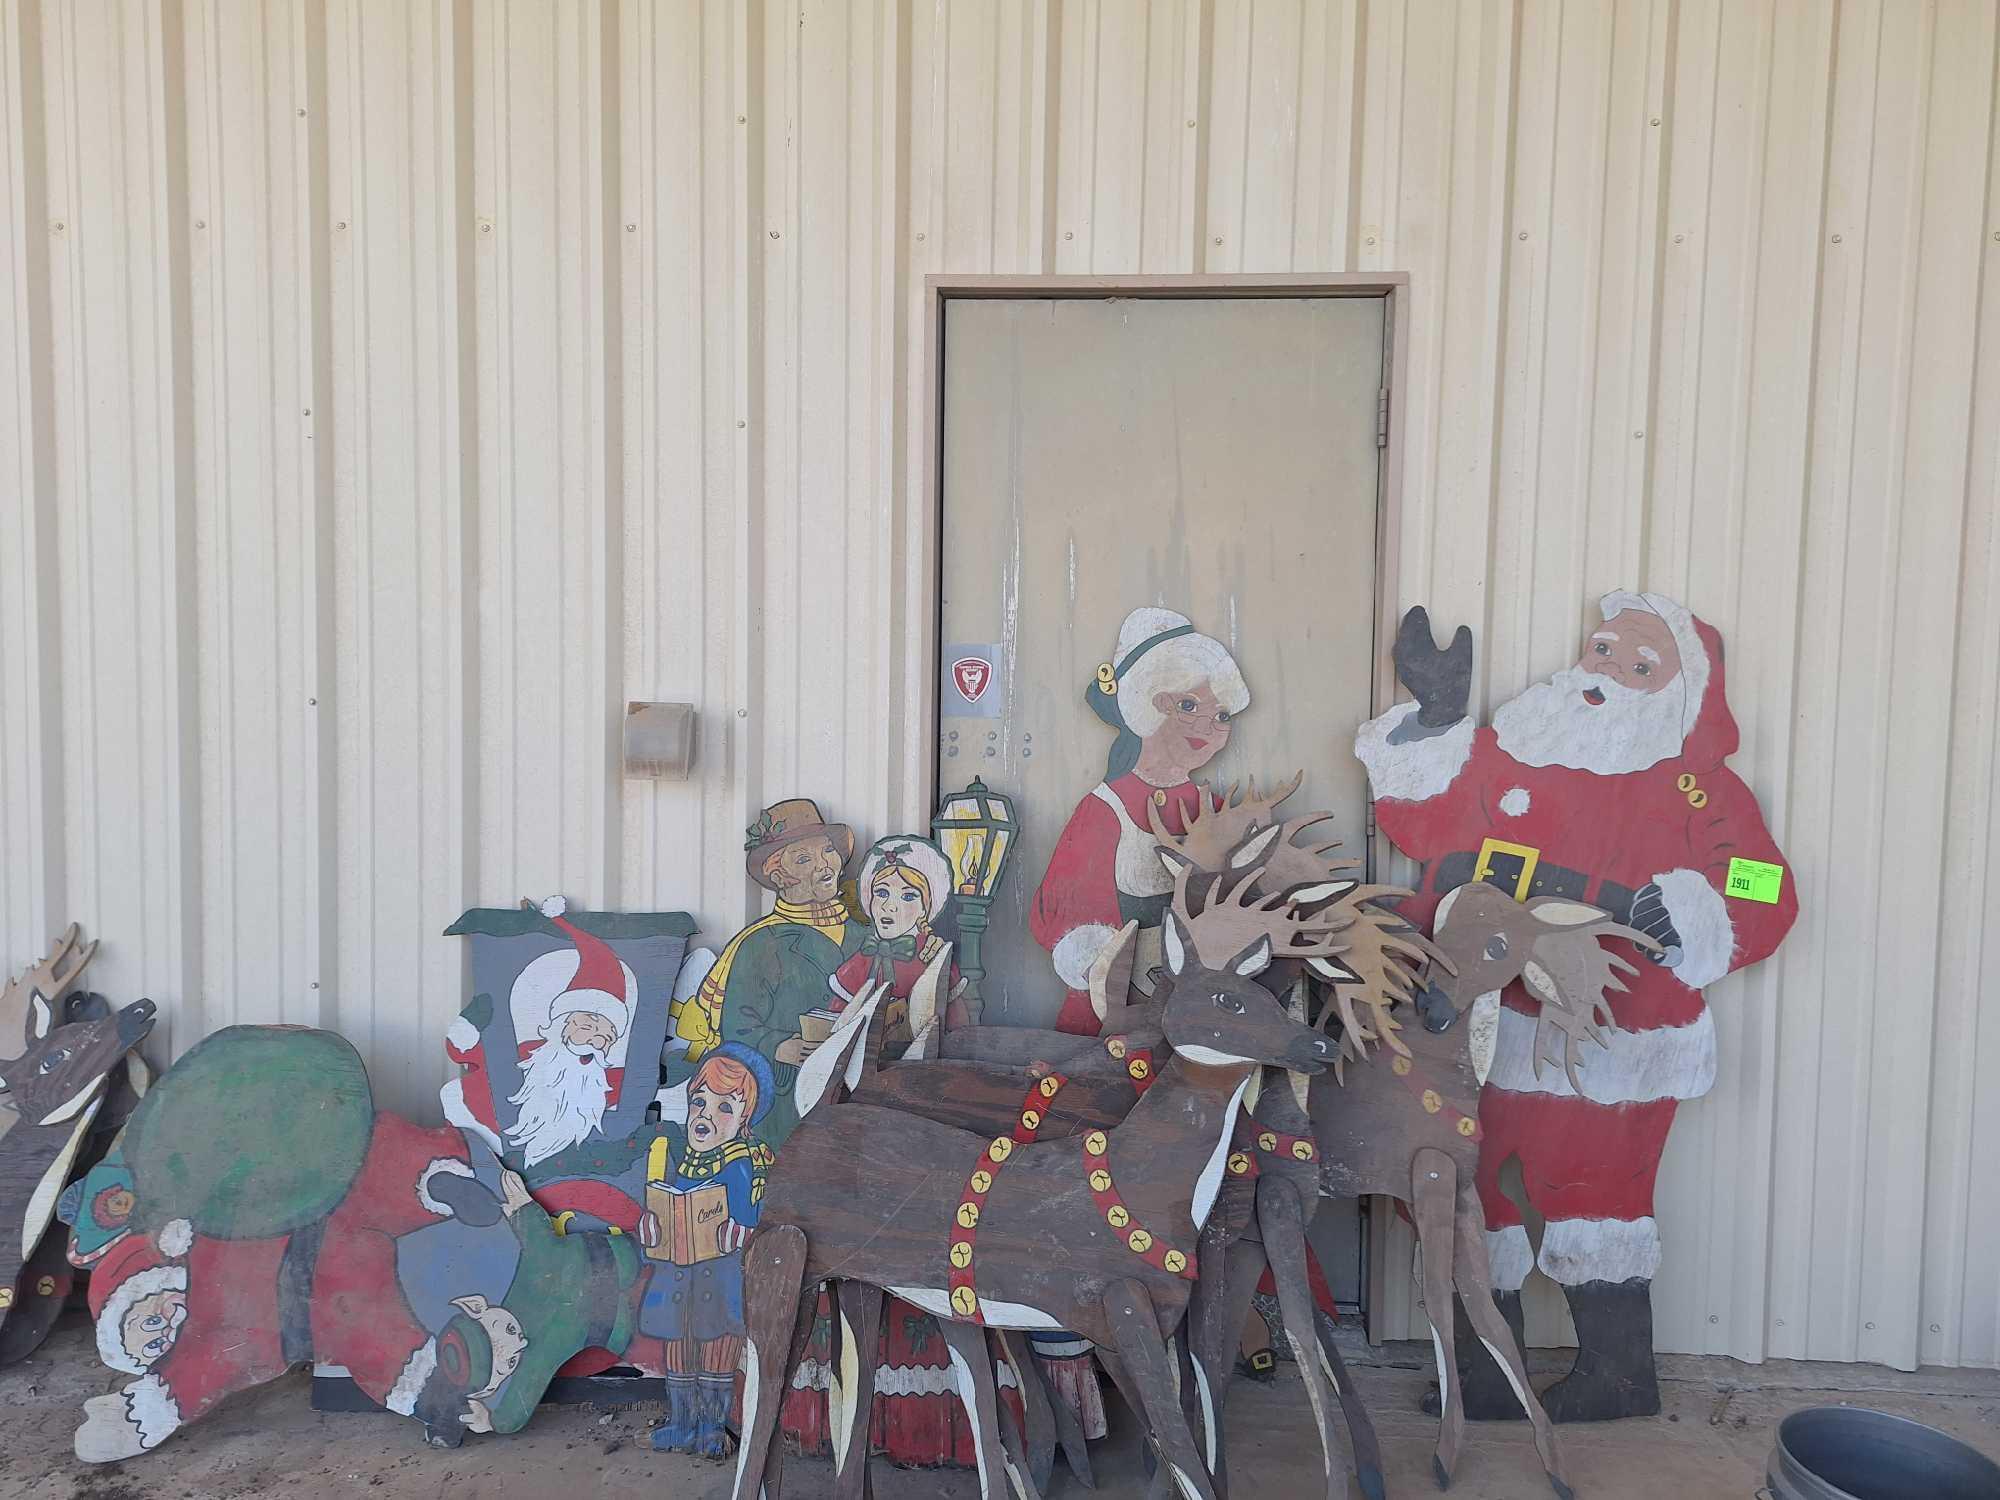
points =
(1522, 873)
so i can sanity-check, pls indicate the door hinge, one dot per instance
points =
(1382, 417)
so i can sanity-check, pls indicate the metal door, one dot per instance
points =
(1215, 455)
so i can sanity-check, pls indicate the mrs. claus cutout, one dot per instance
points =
(1605, 784)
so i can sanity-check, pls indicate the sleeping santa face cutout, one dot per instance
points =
(577, 1006)
(1606, 785)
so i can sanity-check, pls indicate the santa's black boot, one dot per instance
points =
(1613, 1376)
(1483, 1384)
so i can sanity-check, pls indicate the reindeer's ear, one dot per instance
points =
(1173, 859)
(40, 1017)
(1553, 911)
(1253, 960)
(1174, 943)
(1254, 847)
(1443, 912)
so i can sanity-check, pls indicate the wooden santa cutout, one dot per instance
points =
(1605, 786)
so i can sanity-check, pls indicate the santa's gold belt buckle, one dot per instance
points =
(1527, 854)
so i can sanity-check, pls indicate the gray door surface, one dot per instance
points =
(1216, 456)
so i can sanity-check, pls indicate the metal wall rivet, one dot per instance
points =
(1836, 239)
(1937, 1328)
(920, 234)
(631, 228)
(342, 224)
(1371, 239)
(1190, 122)
(1069, 234)
(741, 423)
(57, 226)
(315, 984)
(1218, 239)
(774, 234)
(307, 412)
(302, 114)
(201, 223)
(1522, 235)
(1678, 238)
(1996, 234)
(742, 713)
(1869, 1326)
(485, 227)
(741, 118)
(1638, 432)
(312, 703)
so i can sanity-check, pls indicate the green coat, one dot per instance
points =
(778, 974)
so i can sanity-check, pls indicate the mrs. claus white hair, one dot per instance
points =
(1173, 666)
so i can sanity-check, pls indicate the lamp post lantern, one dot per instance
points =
(976, 829)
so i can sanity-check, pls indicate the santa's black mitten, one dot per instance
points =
(1649, 915)
(1440, 681)
(470, 1202)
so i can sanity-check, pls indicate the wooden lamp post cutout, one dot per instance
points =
(1605, 785)
(976, 829)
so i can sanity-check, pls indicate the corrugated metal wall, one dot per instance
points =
(390, 390)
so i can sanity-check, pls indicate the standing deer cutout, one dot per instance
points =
(1096, 1235)
(53, 977)
(1408, 1125)
(53, 1089)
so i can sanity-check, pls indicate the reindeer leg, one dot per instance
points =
(1360, 1426)
(1215, 1327)
(1475, 1290)
(1037, 1444)
(972, 1361)
(1433, 1195)
(1136, 1326)
(774, 1266)
(1281, 1220)
(804, 1321)
(850, 1393)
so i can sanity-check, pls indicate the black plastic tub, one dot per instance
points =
(1851, 1453)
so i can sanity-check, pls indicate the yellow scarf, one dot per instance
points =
(699, 1017)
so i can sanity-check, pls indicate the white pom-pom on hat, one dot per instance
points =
(554, 907)
(175, 1236)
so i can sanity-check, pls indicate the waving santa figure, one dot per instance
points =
(1173, 695)
(1606, 785)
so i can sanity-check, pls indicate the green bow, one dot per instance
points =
(902, 947)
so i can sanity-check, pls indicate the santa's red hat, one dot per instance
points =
(130, 1269)
(598, 985)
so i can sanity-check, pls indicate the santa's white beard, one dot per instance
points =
(1551, 725)
(561, 1100)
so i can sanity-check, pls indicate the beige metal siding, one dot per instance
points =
(389, 390)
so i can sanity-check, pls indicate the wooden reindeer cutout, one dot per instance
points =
(975, 1239)
(53, 1090)
(52, 978)
(1408, 1124)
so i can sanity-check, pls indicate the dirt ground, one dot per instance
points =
(1711, 1441)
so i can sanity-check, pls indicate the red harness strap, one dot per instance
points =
(972, 1202)
(1138, 1061)
(1137, 1238)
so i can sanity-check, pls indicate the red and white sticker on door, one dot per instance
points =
(971, 687)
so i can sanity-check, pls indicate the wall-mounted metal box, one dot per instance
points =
(659, 740)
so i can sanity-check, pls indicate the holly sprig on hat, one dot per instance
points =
(762, 831)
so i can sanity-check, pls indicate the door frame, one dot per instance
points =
(1394, 288)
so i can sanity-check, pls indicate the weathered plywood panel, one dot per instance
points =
(389, 391)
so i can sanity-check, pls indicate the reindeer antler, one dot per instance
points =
(1379, 963)
(53, 975)
(1222, 820)
(1232, 917)
(1573, 975)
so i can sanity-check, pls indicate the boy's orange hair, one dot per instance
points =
(725, 1075)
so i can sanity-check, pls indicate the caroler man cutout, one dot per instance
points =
(1605, 784)
(1173, 695)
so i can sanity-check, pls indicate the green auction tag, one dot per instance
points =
(1756, 880)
